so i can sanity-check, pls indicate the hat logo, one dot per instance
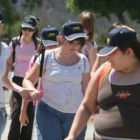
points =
(107, 40)
(51, 34)
(29, 20)
(76, 28)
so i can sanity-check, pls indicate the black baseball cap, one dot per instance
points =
(1, 17)
(29, 22)
(118, 36)
(49, 36)
(72, 30)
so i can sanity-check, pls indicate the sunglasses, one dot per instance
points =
(27, 29)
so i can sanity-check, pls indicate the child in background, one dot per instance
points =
(90, 48)
(48, 42)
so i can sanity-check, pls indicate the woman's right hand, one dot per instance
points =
(24, 118)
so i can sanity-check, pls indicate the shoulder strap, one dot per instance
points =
(41, 63)
(37, 40)
(104, 71)
(14, 43)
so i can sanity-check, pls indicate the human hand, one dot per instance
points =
(25, 93)
(35, 95)
(24, 118)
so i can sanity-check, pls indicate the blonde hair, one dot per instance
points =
(87, 20)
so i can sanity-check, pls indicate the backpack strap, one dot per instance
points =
(14, 44)
(104, 71)
(41, 63)
(37, 40)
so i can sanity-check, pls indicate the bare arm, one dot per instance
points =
(99, 61)
(92, 55)
(86, 108)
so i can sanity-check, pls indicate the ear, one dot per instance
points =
(61, 38)
(129, 52)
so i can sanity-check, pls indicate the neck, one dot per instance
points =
(65, 54)
(27, 40)
(134, 68)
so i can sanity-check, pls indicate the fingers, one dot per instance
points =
(35, 95)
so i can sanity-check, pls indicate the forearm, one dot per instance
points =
(10, 85)
(92, 58)
(24, 106)
(80, 120)
(28, 84)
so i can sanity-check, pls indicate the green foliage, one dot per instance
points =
(12, 19)
(107, 7)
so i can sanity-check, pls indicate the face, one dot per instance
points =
(27, 32)
(70, 47)
(118, 59)
(1, 27)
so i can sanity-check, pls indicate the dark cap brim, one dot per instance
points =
(106, 51)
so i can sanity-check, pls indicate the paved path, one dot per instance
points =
(89, 133)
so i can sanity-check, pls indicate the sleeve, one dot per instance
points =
(86, 65)
(7, 51)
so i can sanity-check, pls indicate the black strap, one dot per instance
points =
(14, 43)
(41, 63)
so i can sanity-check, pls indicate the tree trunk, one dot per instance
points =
(121, 18)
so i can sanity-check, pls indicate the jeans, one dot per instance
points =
(39, 137)
(53, 124)
(3, 120)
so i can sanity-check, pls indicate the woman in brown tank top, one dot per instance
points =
(114, 87)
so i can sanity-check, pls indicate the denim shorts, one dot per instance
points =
(3, 120)
(53, 124)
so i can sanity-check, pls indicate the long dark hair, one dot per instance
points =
(34, 37)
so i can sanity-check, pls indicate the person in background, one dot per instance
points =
(48, 41)
(4, 81)
(115, 88)
(24, 50)
(101, 60)
(89, 49)
(66, 74)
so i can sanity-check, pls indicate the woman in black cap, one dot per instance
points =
(65, 78)
(22, 50)
(115, 88)
(4, 55)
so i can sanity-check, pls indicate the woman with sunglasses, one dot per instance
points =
(24, 93)
(24, 50)
(115, 88)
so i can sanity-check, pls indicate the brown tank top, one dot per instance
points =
(119, 114)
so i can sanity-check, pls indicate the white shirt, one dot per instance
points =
(62, 84)
(5, 53)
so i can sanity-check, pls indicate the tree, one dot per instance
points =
(107, 7)
(11, 17)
